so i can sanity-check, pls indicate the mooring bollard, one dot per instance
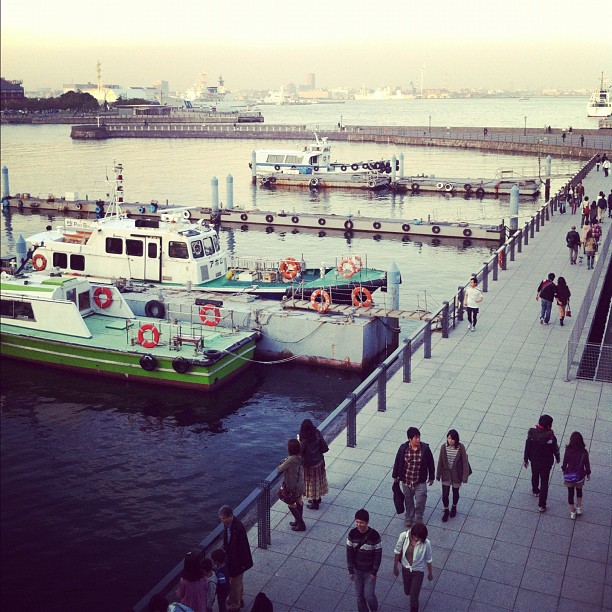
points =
(427, 340)
(351, 421)
(264, 536)
(382, 388)
(485, 277)
(407, 360)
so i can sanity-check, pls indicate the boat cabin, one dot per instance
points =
(315, 156)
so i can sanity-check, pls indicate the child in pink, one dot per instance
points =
(193, 585)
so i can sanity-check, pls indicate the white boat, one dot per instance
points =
(600, 104)
(312, 167)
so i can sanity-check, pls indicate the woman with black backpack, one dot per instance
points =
(576, 468)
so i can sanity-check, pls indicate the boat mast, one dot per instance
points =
(115, 209)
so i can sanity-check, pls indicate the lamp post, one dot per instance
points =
(525, 128)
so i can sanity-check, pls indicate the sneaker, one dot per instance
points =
(541, 321)
(541, 509)
(573, 515)
(470, 328)
(578, 510)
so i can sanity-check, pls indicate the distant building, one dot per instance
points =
(10, 90)
(111, 93)
(310, 80)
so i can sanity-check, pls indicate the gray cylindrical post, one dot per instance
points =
(214, 183)
(401, 159)
(229, 186)
(22, 250)
(394, 279)
(253, 166)
(5, 183)
(514, 208)
(460, 297)
(407, 361)
(485, 277)
(393, 172)
(264, 536)
(445, 320)
(427, 340)
(382, 388)
(351, 421)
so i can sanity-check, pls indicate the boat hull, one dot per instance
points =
(123, 364)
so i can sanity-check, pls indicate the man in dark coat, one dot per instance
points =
(546, 294)
(414, 467)
(573, 242)
(541, 449)
(238, 556)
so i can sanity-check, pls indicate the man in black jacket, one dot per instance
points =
(413, 463)
(541, 449)
(573, 242)
(546, 294)
(238, 556)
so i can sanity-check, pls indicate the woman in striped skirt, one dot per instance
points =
(453, 470)
(315, 479)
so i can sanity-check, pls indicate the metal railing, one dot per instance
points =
(255, 509)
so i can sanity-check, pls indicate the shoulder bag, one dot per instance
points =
(577, 476)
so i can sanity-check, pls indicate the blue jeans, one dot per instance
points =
(415, 499)
(365, 589)
(545, 309)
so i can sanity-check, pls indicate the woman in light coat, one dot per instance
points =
(453, 470)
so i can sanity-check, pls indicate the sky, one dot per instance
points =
(263, 44)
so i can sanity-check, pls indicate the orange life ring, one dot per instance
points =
(357, 295)
(39, 262)
(500, 259)
(358, 263)
(289, 268)
(148, 343)
(216, 318)
(323, 305)
(108, 297)
(347, 267)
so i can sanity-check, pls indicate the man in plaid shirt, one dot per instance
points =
(413, 464)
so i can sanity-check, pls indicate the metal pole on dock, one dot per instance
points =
(214, 183)
(229, 185)
(393, 173)
(5, 183)
(253, 166)
(514, 208)
(394, 279)
(401, 170)
(22, 250)
(548, 173)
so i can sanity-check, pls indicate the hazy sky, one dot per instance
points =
(267, 43)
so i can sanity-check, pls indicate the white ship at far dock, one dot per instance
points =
(600, 104)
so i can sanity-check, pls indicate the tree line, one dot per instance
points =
(73, 101)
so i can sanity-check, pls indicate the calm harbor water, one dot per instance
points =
(106, 485)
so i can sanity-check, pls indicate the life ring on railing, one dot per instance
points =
(289, 268)
(440, 185)
(501, 259)
(343, 168)
(322, 221)
(348, 224)
(406, 227)
(448, 187)
(277, 167)
(415, 186)
(358, 263)
(269, 218)
(216, 315)
(354, 166)
(323, 305)
(244, 217)
(467, 232)
(361, 297)
(467, 187)
(39, 262)
(314, 181)
(376, 225)
(141, 210)
(141, 335)
(186, 214)
(371, 183)
(347, 268)
(435, 229)
(295, 219)
(480, 192)
(108, 297)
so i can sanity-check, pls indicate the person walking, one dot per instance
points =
(585, 209)
(597, 161)
(572, 240)
(546, 294)
(580, 192)
(473, 297)
(563, 296)
(414, 467)
(606, 167)
(413, 551)
(575, 467)
(596, 230)
(610, 205)
(238, 556)
(313, 447)
(602, 204)
(590, 248)
(363, 557)
(453, 470)
(293, 483)
(541, 449)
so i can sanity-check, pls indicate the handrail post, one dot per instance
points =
(512, 248)
(427, 340)
(495, 266)
(537, 222)
(351, 421)
(382, 388)
(460, 297)
(546, 213)
(264, 536)
(407, 361)
(445, 320)
(519, 241)
(531, 227)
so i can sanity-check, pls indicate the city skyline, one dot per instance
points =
(475, 44)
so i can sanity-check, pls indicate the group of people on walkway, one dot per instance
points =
(549, 291)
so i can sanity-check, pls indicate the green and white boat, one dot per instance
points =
(70, 323)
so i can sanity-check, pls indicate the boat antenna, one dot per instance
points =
(115, 209)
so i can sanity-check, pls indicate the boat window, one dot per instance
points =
(71, 295)
(135, 248)
(84, 301)
(77, 262)
(152, 250)
(60, 260)
(293, 159)
(178, 250)
(197, 250)
(215, 241)
(275, 159)
(17, 310)
(114, 246)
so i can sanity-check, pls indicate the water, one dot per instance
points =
(106, 485)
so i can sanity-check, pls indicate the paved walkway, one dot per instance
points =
(499, 553)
